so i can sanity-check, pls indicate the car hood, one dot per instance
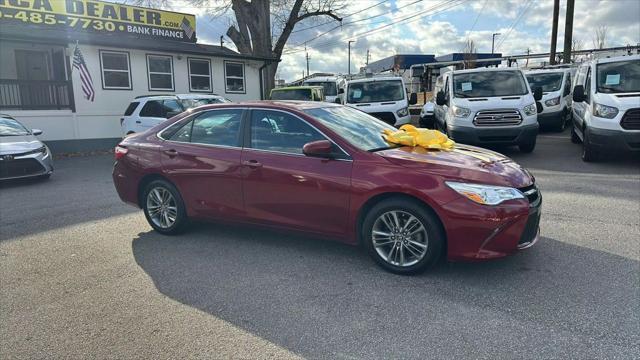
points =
(18, 144)
(464, 163)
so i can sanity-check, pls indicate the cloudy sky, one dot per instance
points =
(437, 27)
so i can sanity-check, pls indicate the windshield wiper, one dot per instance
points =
(610, 89)
(382, 148)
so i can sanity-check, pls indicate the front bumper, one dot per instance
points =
(18, 166)
(551, 118)
(493, 135)
(615, 140)
(477, 232)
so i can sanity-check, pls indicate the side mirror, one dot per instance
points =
(537, 94)
(171, 114)
(320, 148)
(440, 100)
(539, 107)
(338, 100)
(36, 132)
(578, 93)
(413, 99)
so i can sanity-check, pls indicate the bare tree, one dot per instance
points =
(576, 45)
(600, 37)
(469, 54)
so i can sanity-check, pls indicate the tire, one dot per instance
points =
(528, 147)
(589, 153)
(560, 127)
(403, 253)
(156, 191)
(574, 135)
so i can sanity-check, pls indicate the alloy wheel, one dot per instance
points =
(399, 238)
(161, 207)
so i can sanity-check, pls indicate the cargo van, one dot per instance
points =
(556, 97)
(606, 106)
(332, 86)
(488, 106)
(302, 93)
(383, 97)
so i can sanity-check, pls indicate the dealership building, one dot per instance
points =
(127, 51)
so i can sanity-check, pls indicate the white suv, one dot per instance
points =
(606, 106)
(145, 112)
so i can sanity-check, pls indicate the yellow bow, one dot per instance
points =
(409, 135)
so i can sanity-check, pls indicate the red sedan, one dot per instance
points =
(325, 169)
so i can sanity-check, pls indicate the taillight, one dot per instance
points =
(120, 152)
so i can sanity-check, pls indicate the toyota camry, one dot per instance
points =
(326, 169)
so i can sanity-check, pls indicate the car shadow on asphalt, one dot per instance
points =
(324, 299)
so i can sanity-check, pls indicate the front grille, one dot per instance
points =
(532, 194)
(20, 167)
(497, 117)
(631, 119)
(387, 117)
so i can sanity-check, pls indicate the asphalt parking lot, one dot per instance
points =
(83, 276)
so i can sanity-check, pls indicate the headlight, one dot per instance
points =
(461, 112)
(485, 194)
(40, 150)
(403, 112)
(553, 102)
(604, 111)
(530, 109)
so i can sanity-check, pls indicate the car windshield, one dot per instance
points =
(10, 127)
(489, 84)
(358, 128)
(330, 88)
(619, 77)
(194, 103)
(375, 91)
(291, 94)
(547, 81)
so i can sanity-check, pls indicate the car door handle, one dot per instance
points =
(252, 164)
(171, 152)
(138, 122)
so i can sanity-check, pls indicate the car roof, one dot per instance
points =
(321, 79)
(547, 71)
(377, 78)
(199, 96)
(154, 97)
(275, 104)
(617, 58)
(485, 70)
(297, 88)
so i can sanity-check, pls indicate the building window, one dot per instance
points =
(116, 72)
(199, 75)
(234, 77)
(160, 72)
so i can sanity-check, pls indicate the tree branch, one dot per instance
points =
(319, 13)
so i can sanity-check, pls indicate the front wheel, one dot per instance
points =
(402, 236)
(163, 207)
(589, 153)
(528, 146)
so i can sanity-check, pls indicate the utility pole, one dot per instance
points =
(568, 32)
(349, 61)
(221, 40)
(528, 52)
(307, 56)
(368, 56)
(554, 32)
(493, 41)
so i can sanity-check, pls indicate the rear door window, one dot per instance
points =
(153, 108)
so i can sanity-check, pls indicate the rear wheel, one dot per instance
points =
(164, 208)
(402, 236)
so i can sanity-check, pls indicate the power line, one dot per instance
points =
(356, 21)
(412, 18)
(346, 16)
(515, 23)
(474, 23)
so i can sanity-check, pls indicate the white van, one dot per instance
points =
(487, 106)
(331, 84)
(606, 106)
(556, 96)
(383, 97)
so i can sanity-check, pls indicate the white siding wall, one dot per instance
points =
(101, 118)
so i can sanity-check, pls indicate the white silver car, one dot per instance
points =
(145, 112)
(21, 153)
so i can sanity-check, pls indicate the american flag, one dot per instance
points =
(87, 82)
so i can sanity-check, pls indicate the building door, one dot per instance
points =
(33, 68)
